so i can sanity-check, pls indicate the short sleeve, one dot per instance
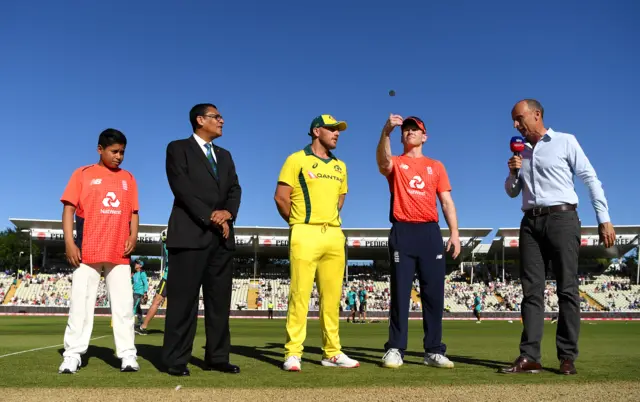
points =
(73, 190)
(443, 180)
(344, 188)
(289, 172)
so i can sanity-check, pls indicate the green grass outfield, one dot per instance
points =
(610, 351)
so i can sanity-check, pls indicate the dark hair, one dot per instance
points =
(111, 136)
(535, 105)
(198, 110)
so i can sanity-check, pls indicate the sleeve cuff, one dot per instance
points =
(603, 217)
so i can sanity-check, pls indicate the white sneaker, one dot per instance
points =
(340, 360)
(129, 363)
(437, 360)
(70, 365)
(292, 364)
(392, 359)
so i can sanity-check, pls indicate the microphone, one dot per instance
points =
(517, 146)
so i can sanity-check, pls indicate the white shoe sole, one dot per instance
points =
(391, 365)
(67, 371)
(426, 363)
(330, 364)
(294, 369)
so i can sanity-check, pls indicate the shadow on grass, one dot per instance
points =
(107, 355)
(362, 353)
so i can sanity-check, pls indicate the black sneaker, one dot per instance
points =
(141, 331)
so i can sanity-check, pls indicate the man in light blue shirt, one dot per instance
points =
(550, 231)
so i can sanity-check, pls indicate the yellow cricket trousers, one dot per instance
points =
(315, 252)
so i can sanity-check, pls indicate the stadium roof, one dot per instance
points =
(590, 247)
(363, 243)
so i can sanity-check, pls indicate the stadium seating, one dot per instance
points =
(604, 293)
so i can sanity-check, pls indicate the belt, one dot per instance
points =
(539, 211)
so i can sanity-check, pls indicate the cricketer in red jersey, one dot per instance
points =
(415, 240)
(104, 199)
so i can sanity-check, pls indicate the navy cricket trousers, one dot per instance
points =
(416, 247)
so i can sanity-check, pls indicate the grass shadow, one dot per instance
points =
(107, 355)
(152, 354)
(492, 364)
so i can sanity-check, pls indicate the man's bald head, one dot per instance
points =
(533, 105)
(527, 118)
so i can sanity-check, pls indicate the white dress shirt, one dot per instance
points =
(546, 176)
(202, 143)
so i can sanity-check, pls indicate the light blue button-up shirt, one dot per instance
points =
(546, 176)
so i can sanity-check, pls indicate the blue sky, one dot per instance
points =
(68, 70)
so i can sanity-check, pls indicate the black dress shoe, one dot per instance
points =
(222, 367)
(179, 371)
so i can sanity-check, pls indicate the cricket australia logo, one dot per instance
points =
(111, 201)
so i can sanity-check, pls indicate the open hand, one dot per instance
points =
(73, 255)
(129, 246)
(607, 234)
(225, 229)
(454, 241)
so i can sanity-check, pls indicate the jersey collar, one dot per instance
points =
(309, 152)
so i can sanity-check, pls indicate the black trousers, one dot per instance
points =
(212, 269)
(416, 247)
(552, 239)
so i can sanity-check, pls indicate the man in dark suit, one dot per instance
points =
(200, 242)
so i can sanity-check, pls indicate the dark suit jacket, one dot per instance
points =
(197, 193)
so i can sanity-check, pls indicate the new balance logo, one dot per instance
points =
(95, 182)
(111, 201)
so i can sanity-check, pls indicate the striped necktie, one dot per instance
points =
(212, 161)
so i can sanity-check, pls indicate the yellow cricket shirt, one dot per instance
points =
(317, 185)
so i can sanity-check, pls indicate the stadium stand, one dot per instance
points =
(605, 293)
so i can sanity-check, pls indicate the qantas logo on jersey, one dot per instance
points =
(111, 201)
(314, 176)
(416, 184)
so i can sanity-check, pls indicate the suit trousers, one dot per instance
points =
(210, 268)
(554, 240)
(84, 290)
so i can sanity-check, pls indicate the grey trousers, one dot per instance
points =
(554, 240)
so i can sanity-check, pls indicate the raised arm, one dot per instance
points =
(383, 152)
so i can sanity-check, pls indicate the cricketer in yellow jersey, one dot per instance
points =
(310, 193)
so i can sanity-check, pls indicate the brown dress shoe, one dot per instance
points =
(522, 365)
(567, 367)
